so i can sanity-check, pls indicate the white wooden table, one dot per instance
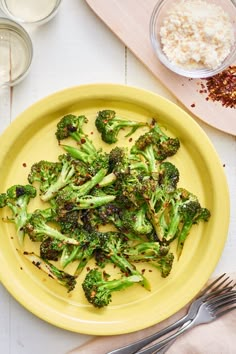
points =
(77, 48)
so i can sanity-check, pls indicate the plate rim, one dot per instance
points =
(21, 123)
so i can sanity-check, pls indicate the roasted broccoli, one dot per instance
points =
(73, 126)
(185, 212)
(157, 194)
(38, 230)
(17, 199)
(63, 278)
(155, 146)
(51, 249)
(112, 245)
(55, 176)
(98, 291)
(153, 252)
(109, 125)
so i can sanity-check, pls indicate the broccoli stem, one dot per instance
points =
(91, 202)
(63, 179)
(108, 180)
(87, 186)
(52, 271)
(79, 154)
(129, 268)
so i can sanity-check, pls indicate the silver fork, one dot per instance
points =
(222, 283)
(209, 311)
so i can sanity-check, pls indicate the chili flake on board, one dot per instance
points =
(222, 87)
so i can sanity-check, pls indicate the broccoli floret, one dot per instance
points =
(136, 220)
(38, 230)
(51, 249)
(166, 146)
(98, 291)
(153, 252)
(155, 146)
(73, 126)
(146, 251)
(63, 278)
(191, 213)
(86, 187)
(55, 176)
(164, 264)
(45, 173)
(112, 245)
(68, 201)
(168, 176)
(82, 253)
(109, 125)
(17, 199)
(157, 194)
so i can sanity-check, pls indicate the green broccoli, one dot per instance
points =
(55, 176)
(63, 278)
(17, 199)
(112, 245)
(185, 211)
(157, 194)
(153, 252)
(155, 146)
(98, 291)
(73, 126)
(109, 125)
(38, 230)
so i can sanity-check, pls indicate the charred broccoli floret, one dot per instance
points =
(55, 176)
(98, 291)
(155, 146)
(136, 220)
(164, 264)
(67, 201)
(185, 211)
(112, 245)
(63, 278)
(73, 126)
(157, 194)
(109, 125)
(17, 199)
(38, 230)
(153, 252)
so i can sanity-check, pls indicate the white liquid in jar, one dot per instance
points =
(30, 10)
(14, 58)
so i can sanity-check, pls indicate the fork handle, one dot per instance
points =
(134, 347)
(160, 345)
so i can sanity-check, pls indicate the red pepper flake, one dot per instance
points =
(193, 105)
(91, 133)
(222, 87)
(24, 164)
(83, 141)
(130, 140)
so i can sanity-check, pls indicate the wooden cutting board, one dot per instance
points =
(129, 20)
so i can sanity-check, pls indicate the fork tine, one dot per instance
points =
(212, 295)
(222, 297)
(222, 313)
(221, 301)
(211, 285)
(228, 302)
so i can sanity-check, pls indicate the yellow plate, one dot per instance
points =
(30, 138)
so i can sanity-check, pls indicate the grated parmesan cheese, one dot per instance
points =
(197, 34)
